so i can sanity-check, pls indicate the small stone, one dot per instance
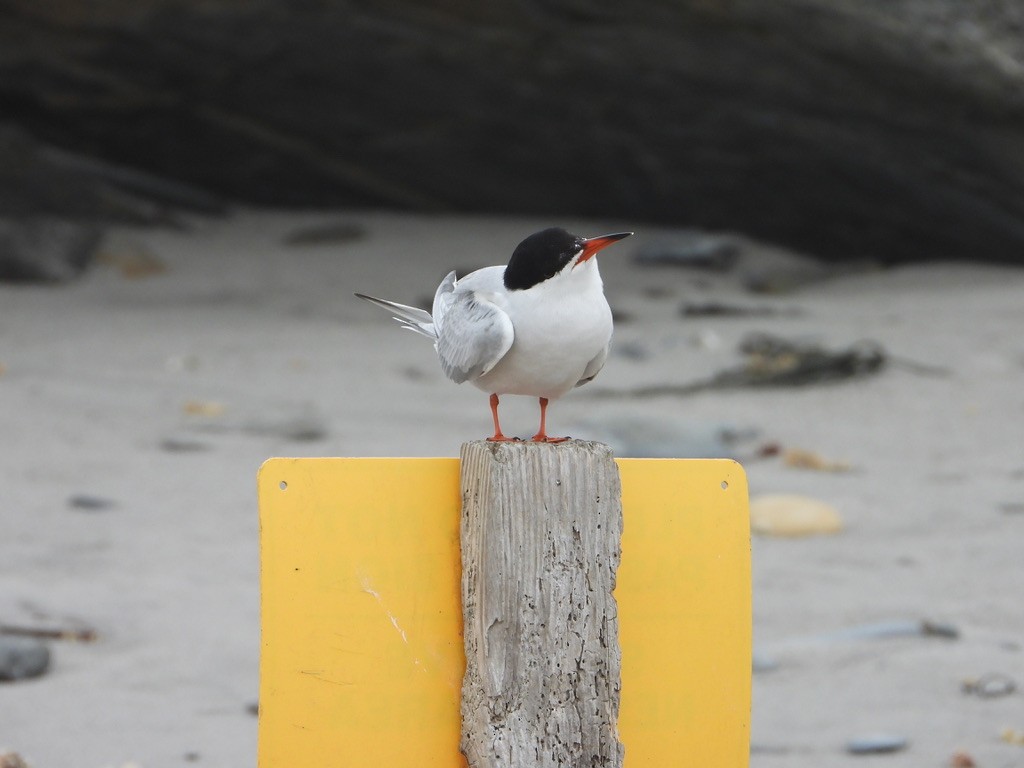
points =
(991, 686)
(706, 339)
(899, 628)
(1012, 736)
(301, 430)
(632, 350)
(621, 317)
(799, 458)
(962, 760)
(206, 408)
(183, 445)
(22, 657)
(657, 292)
(792, 515)
(720, 309)
(415, 373)
(876, 744)
(133, 260)
(12, 760)
(764, 663)
(89, 503)
(940, 629)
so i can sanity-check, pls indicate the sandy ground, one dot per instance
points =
(162, 394)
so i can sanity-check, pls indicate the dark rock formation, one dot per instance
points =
(845, 128)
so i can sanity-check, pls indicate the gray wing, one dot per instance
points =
(473, 333)
(593, 368)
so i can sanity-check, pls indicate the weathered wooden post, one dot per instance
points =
(541, 530)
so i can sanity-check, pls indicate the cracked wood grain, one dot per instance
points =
(541, 533)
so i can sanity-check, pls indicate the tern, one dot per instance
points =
(538, 326)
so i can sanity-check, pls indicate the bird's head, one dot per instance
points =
(549, 252)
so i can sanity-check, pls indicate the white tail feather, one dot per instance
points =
(411, 318)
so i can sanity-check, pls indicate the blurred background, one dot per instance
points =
(846, 129)
(825, 284)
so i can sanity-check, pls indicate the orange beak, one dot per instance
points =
(591, 245)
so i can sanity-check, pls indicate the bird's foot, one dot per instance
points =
(542, 438)
(500, 438)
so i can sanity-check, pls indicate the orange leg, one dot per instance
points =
(498, 437)
(541, 436)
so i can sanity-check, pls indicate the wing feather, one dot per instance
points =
(470, 332)
(593, 368)
(443, 297)
(473, 334)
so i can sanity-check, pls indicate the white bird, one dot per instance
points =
(539, 326)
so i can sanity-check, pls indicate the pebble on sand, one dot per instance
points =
(802, 459)
(22, 657)
(133, 260)
(1012, 736)
(792, 515)
(89, 503)
(990, 686)
(12, 760)
(876, 744)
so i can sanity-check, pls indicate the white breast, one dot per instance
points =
(561, 326)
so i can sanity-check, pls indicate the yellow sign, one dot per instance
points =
(362, 656)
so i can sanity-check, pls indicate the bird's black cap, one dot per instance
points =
(546, 253)
(542, 255)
